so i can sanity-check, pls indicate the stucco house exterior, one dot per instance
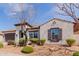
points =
(54, 31)
(1, 36)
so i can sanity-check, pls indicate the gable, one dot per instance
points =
(57, 19)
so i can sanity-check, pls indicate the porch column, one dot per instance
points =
(17, 37)
(27, 34)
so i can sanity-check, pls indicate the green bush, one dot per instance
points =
(37, 41)
(34, 40)
(43, 40)
(11, 42)
(1, 45)
(22, 42)
(27, 49)
(76, 54)
(70, 42)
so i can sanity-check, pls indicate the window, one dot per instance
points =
(55, 34)
(33, 34)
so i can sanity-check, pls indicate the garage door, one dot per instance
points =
(9, 36)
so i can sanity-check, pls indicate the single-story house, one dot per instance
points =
(54, 31)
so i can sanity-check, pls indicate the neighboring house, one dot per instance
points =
(54, 31)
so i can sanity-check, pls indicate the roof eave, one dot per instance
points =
(23, 24)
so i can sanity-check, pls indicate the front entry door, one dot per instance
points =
(55, 34)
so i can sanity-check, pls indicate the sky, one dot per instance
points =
(38, 14)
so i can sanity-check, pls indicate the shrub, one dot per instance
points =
(43, 40)
(76, 54)
(1, 45)
(11, 42)
(22, 41)
(27, 49)
(37, 41)
(70, 42)
(34, 40)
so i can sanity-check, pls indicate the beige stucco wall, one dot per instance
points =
(76, 37)
(67, 29)
(1, 38)
(19, 27)
(17, 33)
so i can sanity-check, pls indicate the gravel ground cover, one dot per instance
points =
(46, 50)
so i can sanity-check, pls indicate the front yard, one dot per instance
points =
(45, 50)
